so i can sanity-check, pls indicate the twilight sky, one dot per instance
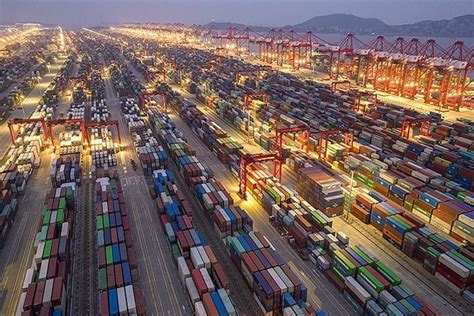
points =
(77, 13)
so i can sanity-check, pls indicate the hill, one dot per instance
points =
(461, 26)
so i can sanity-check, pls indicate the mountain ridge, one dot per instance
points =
(460, 26)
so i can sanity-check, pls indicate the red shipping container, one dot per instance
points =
(125, 223)
(101, 257)
(118, 275)
(199, 282)
(103, 304)
(52, 268)
(30, 295)
(209, 305)
(128, 238)
(110, 277)
(113, 235)
(38, 301)
(221, 277)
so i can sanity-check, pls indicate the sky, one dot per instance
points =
(86, 13)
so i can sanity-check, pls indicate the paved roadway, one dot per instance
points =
(426, 285)
(159, 279)
(28, 106)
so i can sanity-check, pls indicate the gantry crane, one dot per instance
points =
(18, 121)
(102, 124)
(53, 123)
(280, 132)
(345, 84)
(323, 140)
(409, 123)
(147, 94)
(371, 97)
(249, 97)
(248, 159)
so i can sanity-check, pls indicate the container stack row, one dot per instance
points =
(152, 156)
(229, 220)
(117, 264)
(406, 231)
(200, 273)
(66, 169)
(44, 289)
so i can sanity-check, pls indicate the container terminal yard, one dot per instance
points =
(169, 170)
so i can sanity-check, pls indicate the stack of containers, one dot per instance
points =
(76, 111)
(381, 145)
(44, 289)
(9, 208)
(131, 111)
(116, 260)
(231, 221)
(103, 150)
(18, 165)
(369, 285)
(151, 155)
(70, 141)
(204, 279)
(321, 190)
(266, 273)
(210, 133)
(407, 232)
(99, 111)
(66, 169)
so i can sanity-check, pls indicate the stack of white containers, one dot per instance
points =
(99, 111)
(76, 111)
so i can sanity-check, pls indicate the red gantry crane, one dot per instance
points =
(324, 139)
(18, 121)
(102, 124)
(248, 160)
(249, 97)
(53, 123)
(280, 132)
(408, 124)
(149, 94)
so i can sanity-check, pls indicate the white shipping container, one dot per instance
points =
(196, 258)
(21, 302)
(192, 290)
(43, 270)
(199, 309)
(39, 253)
(48, 292)
(122, 301)
(204, 257)
(28, 278)
(131, 305)
(357, 289)
(207, 279)
(183, 269)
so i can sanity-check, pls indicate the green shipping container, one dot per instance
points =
(44, 233)
(62, 203)
(387, 273)
(106, 221)
(175, 251)
(60, 217)
(47, 249)
(371, 279)
(109, 258)
(46, 218)
(103, 279)
(99, 222)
